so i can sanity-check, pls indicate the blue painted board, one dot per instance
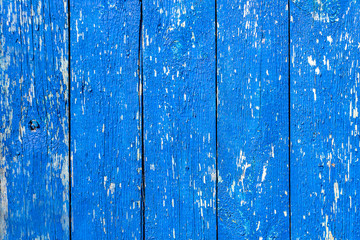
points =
(253, 122)
(325, 74)
(34, 200)
(178, 48)
(204, 91)
(105, 120)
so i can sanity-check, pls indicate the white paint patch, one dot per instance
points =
(3, 200)
(311, 61)
(112, 188)
(263, 174)
(336, 191)
(5, 134)
(212, 172)
(64, 69)
(4, 61)
(328, 234)
(240, 159)
(246, 166)
(330, 40)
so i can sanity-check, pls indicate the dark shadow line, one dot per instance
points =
(216, 123)
(69, 118)
(141, 106)
(289, 113)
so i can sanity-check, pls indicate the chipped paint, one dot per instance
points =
(105, 119)
(253, 119)
(160, 104)
(179, 119)
(326, 11)
(33, 137)
(3, 199)
(324, 119)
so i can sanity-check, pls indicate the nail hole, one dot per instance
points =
(33, 124)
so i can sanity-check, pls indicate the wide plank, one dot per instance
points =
(105, 120)
(325, 74)
(34, 133)
(178, 48)
(253, 121)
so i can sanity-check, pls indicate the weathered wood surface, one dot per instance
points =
(324, 119)
(179, 119)
(196, 99)
(253, 124)
(34, 200)
(105, 120)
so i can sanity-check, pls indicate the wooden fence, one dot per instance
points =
(172, 119)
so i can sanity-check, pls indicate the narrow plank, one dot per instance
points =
(179, 119)
(105, 124)
(253, 123)
(34, 200)
(325, 74)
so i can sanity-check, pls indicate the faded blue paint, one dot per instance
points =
(324, 125)
(34, 200)
(253, 122)
(179, 119)
(171, 120)
(323, 10)
(105, 120)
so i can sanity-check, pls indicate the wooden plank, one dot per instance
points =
(105, 123)
(325, 74)
(34, 166)
(253, 119)
(179, 119)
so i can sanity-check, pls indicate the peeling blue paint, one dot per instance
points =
(173, 119)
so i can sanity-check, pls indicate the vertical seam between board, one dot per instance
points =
(289, 114)
(141, 106)
(216, 124)
(69, 118)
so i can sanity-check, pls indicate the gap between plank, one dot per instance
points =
(216, 123)
(69, 118)
(289, 114)
(141, 106)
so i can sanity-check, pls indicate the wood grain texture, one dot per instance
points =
(324, 119)
(34, 168)
(253, 119)
(179, 119)
(105, 120)
(211, 172)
